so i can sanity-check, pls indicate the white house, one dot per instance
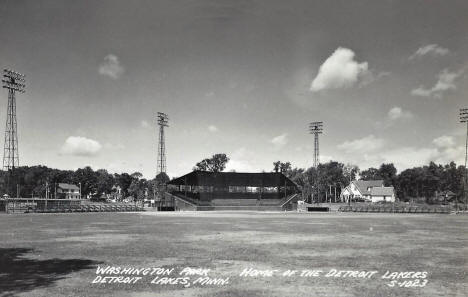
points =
(68, 191)
(368, 190)
(360, 189)
(383, 194)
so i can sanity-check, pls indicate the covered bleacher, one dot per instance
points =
(233, 190)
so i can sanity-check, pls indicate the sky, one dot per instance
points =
(243, 77)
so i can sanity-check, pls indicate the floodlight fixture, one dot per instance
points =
(316, 128)
(14, 81)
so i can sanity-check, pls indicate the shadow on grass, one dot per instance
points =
(19, 274)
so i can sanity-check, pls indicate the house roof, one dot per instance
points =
(382, 191)
(223, 179)
(363, 185)
(68, 186)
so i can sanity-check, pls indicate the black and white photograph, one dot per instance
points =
(234, 148)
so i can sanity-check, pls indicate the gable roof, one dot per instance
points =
(363, 185)
(382, 191)
(222, 179)
(68, 186)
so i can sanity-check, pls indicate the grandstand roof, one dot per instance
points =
(222, 179)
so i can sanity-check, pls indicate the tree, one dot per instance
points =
(105, 181)
(88, 179)
(370, 174)
(276, 166)
(124, 181)
(216, 163)
(279, 166)
(162, 178)
(387, 172)
(138, 188)
(350, 172)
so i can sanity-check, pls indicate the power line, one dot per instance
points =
(14, 82)
(316, 128)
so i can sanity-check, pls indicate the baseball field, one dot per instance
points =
(233, 254)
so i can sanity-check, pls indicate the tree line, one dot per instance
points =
(325, 180)
(32, 181)
(418, 182)
(331, 177)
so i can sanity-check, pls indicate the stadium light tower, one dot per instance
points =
(316, 128)
(162, 122)
(464, 119)
(14, 82)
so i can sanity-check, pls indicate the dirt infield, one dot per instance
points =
(233, 254)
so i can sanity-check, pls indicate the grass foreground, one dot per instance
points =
(233, 254)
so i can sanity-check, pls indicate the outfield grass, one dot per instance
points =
(57, 254)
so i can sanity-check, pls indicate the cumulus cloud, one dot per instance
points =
(213, 128)
(444, 141)
(407, 157)
(396, 113)
(340, 70)
(111, 67)
(239, 161)
(80, 146)
(444, 149)
(363, 145)
(280, 140)
(430, 49)
(445, 82)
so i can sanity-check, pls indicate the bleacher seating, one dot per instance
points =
(234, 202)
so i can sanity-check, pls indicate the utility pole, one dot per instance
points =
(316, 128)
(14, 82)
(47, 190)
(464, 119)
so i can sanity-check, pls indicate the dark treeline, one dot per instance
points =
(331, 177)
(418, 182)
(32, 181)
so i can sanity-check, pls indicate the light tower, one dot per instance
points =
(464, 119)
(316, 128)
(162, 122)
(14, 82)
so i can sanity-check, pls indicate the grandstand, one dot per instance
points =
(202, 190)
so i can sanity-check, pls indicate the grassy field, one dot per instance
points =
(57, 254)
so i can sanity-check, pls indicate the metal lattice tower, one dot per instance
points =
(316, 128)
(464, 119)
(162, 122)
(14, 82)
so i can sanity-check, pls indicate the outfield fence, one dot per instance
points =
(38, 205)
(395, 209)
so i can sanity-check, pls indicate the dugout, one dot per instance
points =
(206, 186)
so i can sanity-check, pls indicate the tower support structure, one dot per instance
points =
(464, 120)
(163, 121)
(14, 82)
(316, 128)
